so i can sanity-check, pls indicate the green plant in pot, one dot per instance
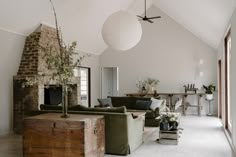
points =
(209, 90)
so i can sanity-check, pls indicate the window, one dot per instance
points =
(85, 86)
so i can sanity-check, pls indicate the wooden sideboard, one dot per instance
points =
(170, 97)
(49, 135)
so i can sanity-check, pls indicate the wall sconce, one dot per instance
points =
(201, 62)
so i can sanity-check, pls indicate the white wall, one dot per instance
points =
(168, 52)
(10, 54)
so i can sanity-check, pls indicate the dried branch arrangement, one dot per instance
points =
(59, 60)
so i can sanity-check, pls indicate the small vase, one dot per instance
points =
(64, 101)
(164, 126)
(173, 125)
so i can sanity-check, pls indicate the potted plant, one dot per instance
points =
(209, 91)
(168, 121)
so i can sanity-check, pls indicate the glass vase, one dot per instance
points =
(64, 101)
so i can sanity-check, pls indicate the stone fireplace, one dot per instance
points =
(29, 98)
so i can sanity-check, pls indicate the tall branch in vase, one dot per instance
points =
(64, 65)
(59, 61)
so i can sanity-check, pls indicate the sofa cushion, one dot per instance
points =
(121, 109)
(105, 102)
(155, 103)
(123, 101)
(142, 105)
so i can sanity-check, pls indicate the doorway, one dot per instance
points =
(220, 89)
(85, 86)
(110, 82)
(228, 120)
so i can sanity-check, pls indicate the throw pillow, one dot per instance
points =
(155, 103)
(178, 104)
(163, 107)
(105, 102)
(142, 105)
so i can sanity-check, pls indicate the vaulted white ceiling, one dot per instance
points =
(207, 19)
(82, 20)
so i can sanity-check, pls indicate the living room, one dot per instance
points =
(182, 47)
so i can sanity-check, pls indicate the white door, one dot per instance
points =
(109, 81)
(84, 86)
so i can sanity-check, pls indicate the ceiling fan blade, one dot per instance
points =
(149, 21)
(140, 16)
(156, 17)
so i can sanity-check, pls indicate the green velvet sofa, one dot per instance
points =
(123, 133)
(130, 103)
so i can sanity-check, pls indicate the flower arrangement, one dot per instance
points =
(151, 81)
(168, 120)
(145, 85)
(168, 117)
(141, 85)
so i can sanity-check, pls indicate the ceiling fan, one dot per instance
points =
(145, 18)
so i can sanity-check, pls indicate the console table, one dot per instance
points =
(49, 135)
(170, 95)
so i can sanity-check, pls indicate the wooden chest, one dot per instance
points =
(49, 135)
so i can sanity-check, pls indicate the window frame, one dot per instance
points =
(89, 84)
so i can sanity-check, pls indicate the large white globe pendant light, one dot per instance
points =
(121, 30)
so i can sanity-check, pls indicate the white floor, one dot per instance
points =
(201, 137)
